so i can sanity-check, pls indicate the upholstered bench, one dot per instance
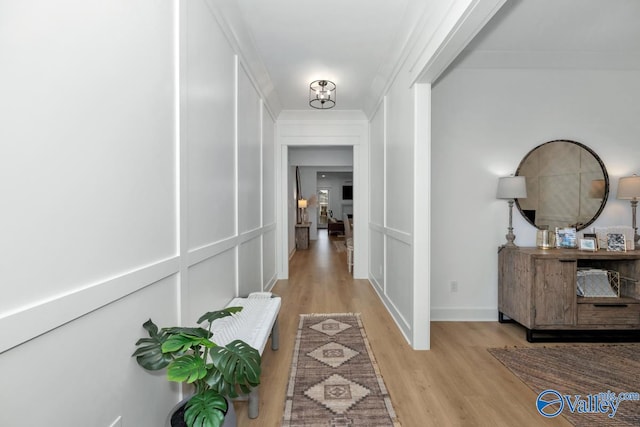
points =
(254, 324)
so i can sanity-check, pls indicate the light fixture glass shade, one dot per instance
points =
(322, 94)
(512, 187)
(629, 188)
(302, 203)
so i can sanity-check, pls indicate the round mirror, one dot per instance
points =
(567, 185)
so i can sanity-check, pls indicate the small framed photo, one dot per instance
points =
(588, 244)
(616, 242)
(593, 236)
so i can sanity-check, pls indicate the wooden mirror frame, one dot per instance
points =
(534, 187)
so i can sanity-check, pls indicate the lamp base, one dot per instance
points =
(510, 238)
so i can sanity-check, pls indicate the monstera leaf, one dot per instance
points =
(149, 353)
(206, 409)
(218, 314)
(182, 342)
(236, 364)
(187, 368)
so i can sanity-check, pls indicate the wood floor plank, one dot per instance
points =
(456, 383)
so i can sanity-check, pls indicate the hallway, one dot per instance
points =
(456, 383)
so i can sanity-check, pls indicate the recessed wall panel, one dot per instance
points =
(376, 168)
(211, 284)
(376, 258)
(208, 127)
(399, 284)
(400, 158)
(268, 170)
(100, 366)
(249, 156)
(250, 277)
(87, 156)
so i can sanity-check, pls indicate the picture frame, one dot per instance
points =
(566, 238)
(616, 242)
(588, 244)
(593, 236)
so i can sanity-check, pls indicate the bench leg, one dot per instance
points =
(275, 336)
(254, 403)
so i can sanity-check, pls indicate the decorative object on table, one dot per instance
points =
(597, 283)
(545, 239)
(579, 370)
(217, 372)
(334, 378)
(322, 94)
(302, 206)
(602, 232)
(616, 242)
(566, 238)
(593, 236)
(588, 244)
(511, 188)
(629, 189)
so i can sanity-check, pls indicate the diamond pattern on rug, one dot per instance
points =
(341, 421)
(330, 327)
(337, 393)
(333, 354)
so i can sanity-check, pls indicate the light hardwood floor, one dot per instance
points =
(456, 383)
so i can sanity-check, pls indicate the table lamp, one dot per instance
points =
(511, 188)
(629, 189)
(302, 205)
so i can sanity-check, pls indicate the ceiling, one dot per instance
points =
(354, 43)
(345, 41)
(559, 34)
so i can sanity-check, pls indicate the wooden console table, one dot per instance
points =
(537, 288)
(302, 235)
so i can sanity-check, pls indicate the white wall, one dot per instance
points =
(129, 194)
(484, 122)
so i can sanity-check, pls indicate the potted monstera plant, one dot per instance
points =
(191, 356)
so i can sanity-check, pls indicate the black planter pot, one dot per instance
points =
(176, 416)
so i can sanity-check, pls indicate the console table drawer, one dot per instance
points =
(609, 313)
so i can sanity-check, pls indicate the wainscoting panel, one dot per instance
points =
(269, 273)
(88, 362)
(250, 259)
(249, 154)
(212, 283)
(25, 323)
(208, 128)
(376, 257)
(399, 284)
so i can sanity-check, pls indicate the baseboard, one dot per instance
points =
(463, 314)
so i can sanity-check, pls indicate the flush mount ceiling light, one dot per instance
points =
(322, 94)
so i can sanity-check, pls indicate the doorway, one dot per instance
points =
(324, 207)
(316, 157)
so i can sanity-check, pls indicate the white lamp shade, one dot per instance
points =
(629, 188)
(302, 203)
(512, 187)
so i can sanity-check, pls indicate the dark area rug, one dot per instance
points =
(578, 374)
(334, 378)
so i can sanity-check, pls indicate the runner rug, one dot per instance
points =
(581, 373)
(334, 378)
